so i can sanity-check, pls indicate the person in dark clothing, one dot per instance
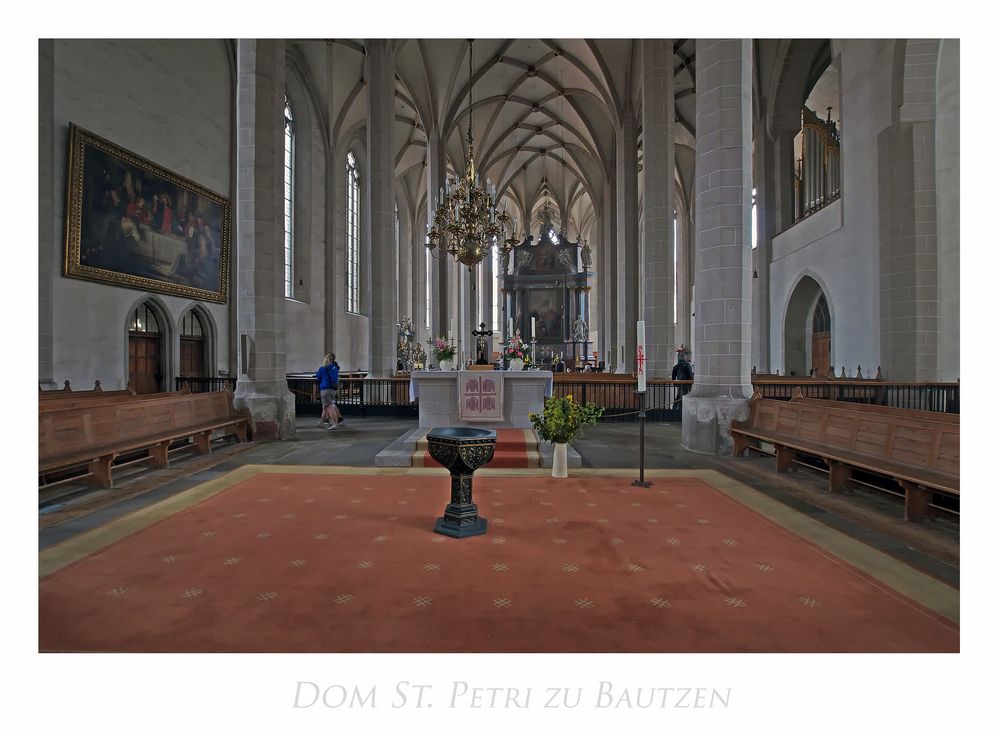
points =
(682, 371)
(328, 377)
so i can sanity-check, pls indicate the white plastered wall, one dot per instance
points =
(304, 314)
(170, 102)
(838, 246)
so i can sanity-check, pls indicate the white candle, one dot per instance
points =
(640, 355)
(532, 328)
(509, 329)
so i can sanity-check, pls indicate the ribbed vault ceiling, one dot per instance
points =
(543, 111)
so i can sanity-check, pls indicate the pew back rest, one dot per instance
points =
(876, 409)
(101, 399)
(107, 426)
(902, 438)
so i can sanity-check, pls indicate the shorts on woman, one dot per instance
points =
(328, 396)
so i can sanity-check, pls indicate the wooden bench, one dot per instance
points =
(67, 392)
(877, 409)
(921, 452)
(100, 398)
(97, 435)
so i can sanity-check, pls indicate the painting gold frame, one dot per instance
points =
(132, 223)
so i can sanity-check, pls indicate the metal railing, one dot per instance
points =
(357, 397)
(619, 399)
(939, 397)
(360, 396)
(204, 385)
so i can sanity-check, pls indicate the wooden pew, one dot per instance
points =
(876, 409)
(96, 435)
(100, 398)
(67, 392)
(920, 450)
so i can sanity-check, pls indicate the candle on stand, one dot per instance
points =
(532, 328)
(509, 329)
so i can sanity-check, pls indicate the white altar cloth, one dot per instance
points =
(523, 392)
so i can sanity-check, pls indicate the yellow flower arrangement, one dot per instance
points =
(563, 418)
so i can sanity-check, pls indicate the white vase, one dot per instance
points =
(516, 364)
(560, 460)
(446, 365)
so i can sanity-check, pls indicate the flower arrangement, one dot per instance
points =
(563, 418)
(516, 348)
(441, 348)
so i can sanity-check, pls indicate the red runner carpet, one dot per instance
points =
(342, 563)
(512, 451)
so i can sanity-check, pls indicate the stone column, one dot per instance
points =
(436, 173)
(909, 278)
(609, 263)
(658, 92)
(486, 289)
(419, 300)
(722, 279)
(406, 265)
(466, 312)
(784, 180)
(683, 277)
(626, 157)
(47, 243)
(262, 386)
(379, 215)
(948, 209)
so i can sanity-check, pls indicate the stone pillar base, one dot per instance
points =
(706, 420)
(272, 415)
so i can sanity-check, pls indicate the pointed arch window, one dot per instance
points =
(144, 321)
(820, 318)
(289, 200)
(192, 346)
(353, 229)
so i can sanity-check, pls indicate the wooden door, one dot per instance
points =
(820, 354)
(145, 369)
(192, 357)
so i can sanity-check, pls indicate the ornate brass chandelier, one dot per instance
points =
(466, 222)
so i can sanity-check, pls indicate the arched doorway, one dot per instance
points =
(807, 331)
(821, 338)
(192, 346)
(145, 350)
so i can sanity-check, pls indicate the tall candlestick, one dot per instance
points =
(532, 327)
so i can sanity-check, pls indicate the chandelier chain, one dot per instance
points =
(466, 222)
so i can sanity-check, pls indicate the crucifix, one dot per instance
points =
(481, 356)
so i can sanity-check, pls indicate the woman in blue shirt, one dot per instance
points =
(328, 377)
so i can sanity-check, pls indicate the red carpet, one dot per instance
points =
(329, 563)
(512, 450)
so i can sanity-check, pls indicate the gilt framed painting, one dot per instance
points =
(132, 223)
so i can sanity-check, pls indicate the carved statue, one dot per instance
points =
(568, 259)
(580, 332)
(587, 255)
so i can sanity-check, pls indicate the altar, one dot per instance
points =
(546, 286)
(516, 394)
